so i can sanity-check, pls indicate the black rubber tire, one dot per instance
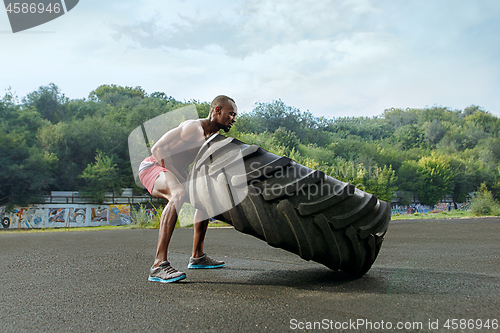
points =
(307, 212)
(6, 222)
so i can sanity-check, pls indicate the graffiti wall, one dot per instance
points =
(119, 215)
(66, 215)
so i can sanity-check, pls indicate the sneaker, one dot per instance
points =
(205, 262)
(165, 273)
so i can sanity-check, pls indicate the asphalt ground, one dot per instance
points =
(96, 281)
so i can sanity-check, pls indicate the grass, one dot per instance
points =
(42, 230)
(217, 224)
(442, 215)
(220, 224)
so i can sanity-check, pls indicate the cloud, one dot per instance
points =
(354, 57)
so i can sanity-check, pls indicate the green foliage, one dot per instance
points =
(111, 94)
(26, 170)
(408, 136)
(101, 177)
(186, 216)
(435, 179)
(47, 141)
(483, 203)
(382, 183)
(270, 116)
(287, 139)
(48, 101)
(203, 109)
(364, 127)
(484, 122)
(156, 221)
(140, 217)
(434, 131)
(405, 198)
(496, 185)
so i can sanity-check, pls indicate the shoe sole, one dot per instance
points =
(157, 279)
(192, 266)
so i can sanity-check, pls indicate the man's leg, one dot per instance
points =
(167, 186)
(199, 259)
(200, 230)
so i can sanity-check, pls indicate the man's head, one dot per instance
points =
(223, 111)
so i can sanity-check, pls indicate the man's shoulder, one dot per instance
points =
(191, 123)
(191, 130)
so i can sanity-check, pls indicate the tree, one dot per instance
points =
(101, 177)
(287, 139)
(496, 185)
(271, 116)
(111, 93)
(48, 101)
(484, 121)
(382, 183)
(483, 202)
(434, 132)
(436, 179)
(203, 109)
(471, 109)
(408, 136)
(26, 172)
(409, 179)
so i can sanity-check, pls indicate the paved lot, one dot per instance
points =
(97, 281)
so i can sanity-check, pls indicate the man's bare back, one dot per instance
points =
(177, 148)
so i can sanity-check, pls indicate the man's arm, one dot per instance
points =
(175, 141)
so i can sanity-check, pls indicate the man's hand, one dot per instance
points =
(170, 167)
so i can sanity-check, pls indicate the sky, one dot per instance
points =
(333, 58)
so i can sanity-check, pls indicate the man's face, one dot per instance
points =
(226, 116)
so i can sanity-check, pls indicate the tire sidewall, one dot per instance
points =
(5, 222)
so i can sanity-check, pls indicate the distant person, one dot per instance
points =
(166, 170)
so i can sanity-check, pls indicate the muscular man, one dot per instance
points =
(166, 170)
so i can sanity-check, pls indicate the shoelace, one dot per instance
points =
(169, 269)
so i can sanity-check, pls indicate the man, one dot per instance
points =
(166, 170)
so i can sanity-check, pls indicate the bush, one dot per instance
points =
(155, 222)
(140, 217)
(483, 203)
(186, 216)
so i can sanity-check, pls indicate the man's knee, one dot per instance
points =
(178, 196)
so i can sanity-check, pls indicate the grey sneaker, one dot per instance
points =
(165, 273)
(205, 262)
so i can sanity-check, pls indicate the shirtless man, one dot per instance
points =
(166, 170)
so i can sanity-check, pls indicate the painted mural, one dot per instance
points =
(65, 215)
(77, 216)
(26, 217)
(57, 215)
(99, 215)
(119, 215)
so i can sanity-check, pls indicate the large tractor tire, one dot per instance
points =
(288, 205)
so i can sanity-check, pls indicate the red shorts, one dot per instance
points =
(149, 170)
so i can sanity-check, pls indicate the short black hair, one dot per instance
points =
(220, 100)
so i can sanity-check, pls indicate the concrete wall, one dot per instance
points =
(68, 215)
